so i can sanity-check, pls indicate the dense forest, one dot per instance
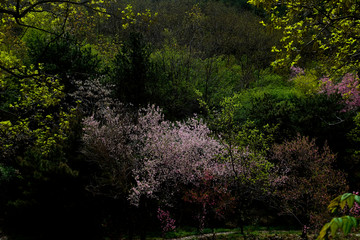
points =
(122, 119)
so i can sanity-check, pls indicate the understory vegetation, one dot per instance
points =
(164, 119)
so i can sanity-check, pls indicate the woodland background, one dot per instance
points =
(120, 118)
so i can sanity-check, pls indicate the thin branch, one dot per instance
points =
(33, 27)
(30, 8)
(335, 123)
(8, 113)
(5, 11)
(9, 71)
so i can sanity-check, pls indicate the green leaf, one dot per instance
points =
(354, 221)
(334, 204)
(357, 198)
(345, 196)
(323, 232)
(339, 222)
(334, 227)
(350, 201)
(348, 224)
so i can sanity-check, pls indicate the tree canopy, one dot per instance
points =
(52, 17)
(328, 31)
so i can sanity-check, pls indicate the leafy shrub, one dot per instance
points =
(346, 205)
(306, 179)
(61, 56)
(306, 83)
(173, 87)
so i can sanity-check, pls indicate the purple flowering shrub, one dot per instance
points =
(348, 88)
(167, 223)
(355, 209)
(296, 71)
(347, 206)
(306, 180)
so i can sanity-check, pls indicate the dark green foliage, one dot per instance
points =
(173, 87)
(130, 71)
(42, 195)
(312, 115)
(182, 78)
(352, 149)
(208, 28)
(62, 56)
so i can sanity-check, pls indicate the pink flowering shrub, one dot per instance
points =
(141, 157)
(149, 156)
(348, 88)
(167, 223)
(171, 155)
(92, 95)
(296, 71)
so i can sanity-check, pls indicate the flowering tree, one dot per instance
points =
(106, 145)
(212, 199)
(348, 88)
(305, 180)
(158, 155)
(171, 155)
(145, 158)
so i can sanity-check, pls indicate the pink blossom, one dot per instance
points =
(167, 223)
(348, 88)
(296, 71)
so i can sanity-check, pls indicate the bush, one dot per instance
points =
(306, 180)
(61, 56)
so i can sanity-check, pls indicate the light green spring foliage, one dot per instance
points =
(245, 144)
(344, 223)
(129, 17)
(328, 29)
(39, 125)
(212, 78)
(35, 124)
(268, 84)
(45, 130)
(259, 140)
(52, 17)
(307, 84)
